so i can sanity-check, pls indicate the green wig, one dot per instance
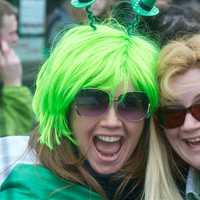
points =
(85, 58)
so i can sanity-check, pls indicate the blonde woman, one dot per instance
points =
(174, 155)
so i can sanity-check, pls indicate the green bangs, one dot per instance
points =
(85, 58)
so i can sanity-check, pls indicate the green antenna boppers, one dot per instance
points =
(86, 4)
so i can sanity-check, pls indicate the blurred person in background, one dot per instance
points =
(173, 20)
(102, 8)
(16, 116)
(194, 4)
(8, 23)
(163, 3)
(63, 17)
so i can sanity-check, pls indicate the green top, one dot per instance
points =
(16, 115)
(31, 182)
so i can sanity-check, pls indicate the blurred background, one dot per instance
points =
(32, 30)
(34, 17)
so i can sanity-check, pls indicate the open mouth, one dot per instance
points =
(108, 147)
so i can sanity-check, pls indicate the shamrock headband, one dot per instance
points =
(140, 7)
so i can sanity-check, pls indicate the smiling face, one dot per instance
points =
(185, 139)
(106, 141)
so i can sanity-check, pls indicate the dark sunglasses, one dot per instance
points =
(174, 116)
(131, 106)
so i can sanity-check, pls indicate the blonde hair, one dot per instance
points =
(159, 182)
(176, 58)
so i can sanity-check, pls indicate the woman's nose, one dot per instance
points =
(110, 119)
(190, 123)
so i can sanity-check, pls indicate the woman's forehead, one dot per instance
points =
(185, 87)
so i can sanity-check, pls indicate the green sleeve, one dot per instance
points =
(16, 111)
(28, 182)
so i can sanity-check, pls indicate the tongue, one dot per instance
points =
(107, 147)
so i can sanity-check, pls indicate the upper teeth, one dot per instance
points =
(108, 138)
(194, 139)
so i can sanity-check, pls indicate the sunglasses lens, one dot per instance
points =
(171, 117)
(133, 106)
(195, 110)
(92, 102)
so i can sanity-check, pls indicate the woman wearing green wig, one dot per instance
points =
(94, 98)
